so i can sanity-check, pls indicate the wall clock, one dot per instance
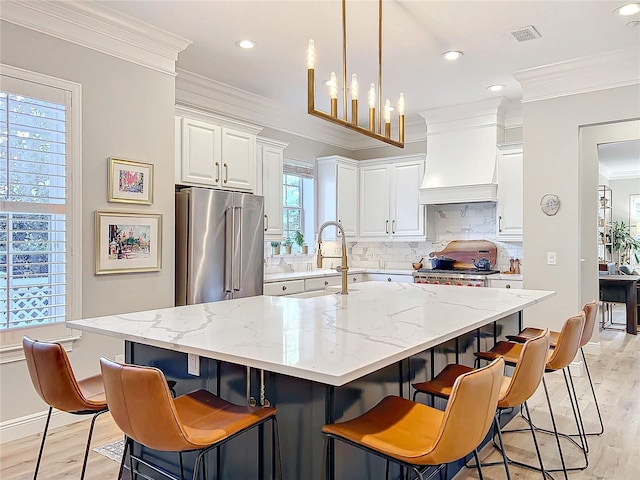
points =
(550, 204)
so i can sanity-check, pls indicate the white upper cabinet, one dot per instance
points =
(337, 194)
(216, 152)
(510, 193)
(389, 191)
(270, 159)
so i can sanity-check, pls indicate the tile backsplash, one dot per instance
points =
(471, 221)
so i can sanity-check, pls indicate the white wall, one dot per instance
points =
(621, 189)
(127, 112)
(553, 164)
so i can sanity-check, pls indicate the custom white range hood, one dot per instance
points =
(461, 152)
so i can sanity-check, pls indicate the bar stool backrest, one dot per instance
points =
(591, 312)
(528, 372)
(141, 405)
(568, 343)
(53, 378)
(469, 412)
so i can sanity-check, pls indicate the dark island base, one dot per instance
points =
(305, 406)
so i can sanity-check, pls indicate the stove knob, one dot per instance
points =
(478, 285)
(447, 283)
(458, 284)
(418, 281)
(436, 283)
(469, 284)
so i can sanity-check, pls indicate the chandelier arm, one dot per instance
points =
(380, 66)
(344, 59)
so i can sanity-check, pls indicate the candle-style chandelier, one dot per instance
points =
(373, 130)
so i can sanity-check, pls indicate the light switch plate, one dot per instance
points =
(551, 258)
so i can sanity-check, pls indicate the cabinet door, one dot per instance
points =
(407, 215)
(346, 196)
(201, 153)
(374, 201)
(272, 190)
(510, 194)
(239, 160)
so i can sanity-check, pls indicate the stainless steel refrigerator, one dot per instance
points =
(219, 245)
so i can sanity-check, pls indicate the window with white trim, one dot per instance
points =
(36, 196)
(297, 195)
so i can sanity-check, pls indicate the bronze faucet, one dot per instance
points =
(344, 268)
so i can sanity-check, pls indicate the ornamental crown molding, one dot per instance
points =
(613, 69)
(99, 28)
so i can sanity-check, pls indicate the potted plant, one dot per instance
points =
(299, 238)
(624, 244)
(275, 248)
(287, 246)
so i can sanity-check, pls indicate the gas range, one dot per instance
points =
(461, 277)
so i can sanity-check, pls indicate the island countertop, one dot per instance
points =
(332, 339)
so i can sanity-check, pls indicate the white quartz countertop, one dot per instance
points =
(332, 339)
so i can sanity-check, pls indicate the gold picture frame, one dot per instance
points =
(130, 182)
(127, 242)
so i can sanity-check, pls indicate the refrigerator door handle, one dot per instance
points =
(228, 265)
(237, 251)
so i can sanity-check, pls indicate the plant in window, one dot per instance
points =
(287, 245)
(275, 248)
(299, 238)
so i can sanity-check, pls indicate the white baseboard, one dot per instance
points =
(21, 427)
(576, 368)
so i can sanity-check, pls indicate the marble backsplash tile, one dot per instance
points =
(473, 221)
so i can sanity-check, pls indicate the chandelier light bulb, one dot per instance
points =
(333, 86)
(311, 56)
(401, 104)
(354, 87)
(387, 111)
(372, 96)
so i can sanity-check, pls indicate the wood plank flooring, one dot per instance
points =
(614, 455)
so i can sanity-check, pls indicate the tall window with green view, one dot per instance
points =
(292, 213)
(33, 218)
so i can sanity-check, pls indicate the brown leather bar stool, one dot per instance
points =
(515, 390)
(53, 379)
(143, 408)
(417, 436)
(591, 313)
(559, 358)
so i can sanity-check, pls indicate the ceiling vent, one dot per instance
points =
(525, 33)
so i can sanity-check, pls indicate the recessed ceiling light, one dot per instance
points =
(246, 43)
(495, 88)
(452, 55)
(628, 9)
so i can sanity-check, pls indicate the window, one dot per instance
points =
(297, 192)
(36, 196)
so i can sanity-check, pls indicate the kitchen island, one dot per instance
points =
(322, 359)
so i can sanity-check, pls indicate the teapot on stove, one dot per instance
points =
(483, 263)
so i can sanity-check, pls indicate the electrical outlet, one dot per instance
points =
(193, 366)
(551, 258)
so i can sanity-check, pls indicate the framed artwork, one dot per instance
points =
(127, 242)
(130, 182)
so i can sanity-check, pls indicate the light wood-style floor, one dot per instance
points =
(614, 455)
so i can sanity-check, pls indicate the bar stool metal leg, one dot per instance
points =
(593, 392)
(44, 436)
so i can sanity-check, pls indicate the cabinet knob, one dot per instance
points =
(355, 279)
(507, 286)
(284, 287)
(388, 279)
(326, 283)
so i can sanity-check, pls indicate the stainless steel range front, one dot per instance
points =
(468, 278)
